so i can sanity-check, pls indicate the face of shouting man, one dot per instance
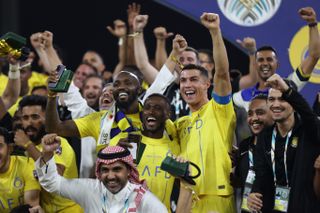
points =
(155, 112)
(91, 91)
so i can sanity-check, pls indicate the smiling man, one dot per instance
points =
(206, 135)
(92, 89)
(109, 126)
(267, 63)
(285, 154)
(155, 146)
(259, 117)
(116, 189)
(18, 185)
(33, 119)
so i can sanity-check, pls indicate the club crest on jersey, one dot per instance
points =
(59, 150)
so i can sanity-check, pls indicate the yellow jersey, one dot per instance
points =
(159, 182)
(36, 79)
(64, 156)
(18, 179)
(3, 84)
(206, 138)
(91, 124)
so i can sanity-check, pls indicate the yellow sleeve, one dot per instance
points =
(31, 182)
(90, 125)
(65, 156)
(60, 156)
(226, 120)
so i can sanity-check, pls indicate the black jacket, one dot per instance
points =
(303, 148)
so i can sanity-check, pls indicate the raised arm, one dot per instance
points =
(161, 55)
(37, 42)
(132, 11)
(166, 74)
(53, 123)
(251, 78)
(119, 31)
(12, 90)
(53, 57)
(307, 65)
(140, 51)
(221, 79)
(51, 181)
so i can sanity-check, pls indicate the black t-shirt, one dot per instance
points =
(179, 107)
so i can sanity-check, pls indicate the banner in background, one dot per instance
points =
(270, 22)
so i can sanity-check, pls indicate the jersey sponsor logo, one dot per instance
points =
(298, 51)
(156, 172)
(10, 203)
(249, 13)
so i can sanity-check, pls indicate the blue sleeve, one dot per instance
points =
(222, 99)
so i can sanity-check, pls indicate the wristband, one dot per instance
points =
(135, 34)
(175, 60)
(52, 95)
(14, 72)
(313, 24)
(25, 146)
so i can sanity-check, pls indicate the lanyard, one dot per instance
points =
(250, 159)
(273, 145)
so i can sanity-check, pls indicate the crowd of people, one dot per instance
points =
(99, 146)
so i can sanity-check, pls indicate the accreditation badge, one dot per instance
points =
(247, 190)
(281, 198)
(251, 176)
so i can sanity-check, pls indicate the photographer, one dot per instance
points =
(15, 171)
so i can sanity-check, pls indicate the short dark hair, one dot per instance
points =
(33, 100)
(208, 53)
(39, 87)
(89, 65)
(134, 70)
(93, 76)
(165, 98)
(201, 69)
(260, 96)
(191, 49)
(267, 48)
(6, 135)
